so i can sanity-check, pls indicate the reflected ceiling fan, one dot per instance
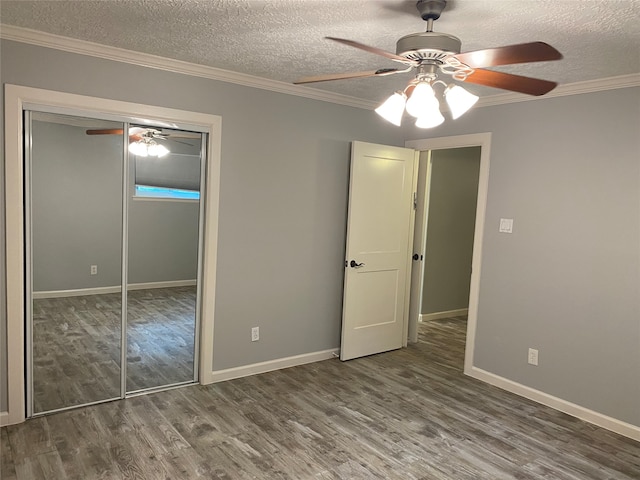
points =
(137, 133)
(142, 140)
(435, 55)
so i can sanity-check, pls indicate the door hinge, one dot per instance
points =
(415, 200)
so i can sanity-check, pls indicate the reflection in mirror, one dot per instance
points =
(163, 240)
(76, 245)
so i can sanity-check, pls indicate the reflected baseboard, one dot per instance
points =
(425, 317)
(79, 292)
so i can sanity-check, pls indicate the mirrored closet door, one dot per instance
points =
(106, 209)
(76, 205)
(164, 233)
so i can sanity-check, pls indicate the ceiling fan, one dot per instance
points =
(137, 133)
(431, 53)
(142, 140)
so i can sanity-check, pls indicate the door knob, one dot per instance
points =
(354, 264)
(416, 256)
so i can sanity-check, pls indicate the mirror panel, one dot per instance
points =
(163, 241)
(76, 257)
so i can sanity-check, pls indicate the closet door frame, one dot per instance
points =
(19, 99)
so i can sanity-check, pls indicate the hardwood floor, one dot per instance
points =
(76, 345)
(409, 414)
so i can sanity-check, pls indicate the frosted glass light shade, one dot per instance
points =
(459, 100)
(138, 148)
(421, 100)
(431, 119)
(147, 148)
(393, 108)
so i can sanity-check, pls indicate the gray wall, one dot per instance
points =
(451, 221)
(283, 198)
(566, 169)
(567, 281)
(77, 217)
(77, 207)
(163, 241)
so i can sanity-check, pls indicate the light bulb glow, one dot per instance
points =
(138, 148)
(430, 119)
(393, 108)
(422, 99)
(459, 100)
(155, 150)
(148, 148)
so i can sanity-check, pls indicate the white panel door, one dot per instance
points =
(378, 239)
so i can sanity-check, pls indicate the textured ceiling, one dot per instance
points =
(283, 39)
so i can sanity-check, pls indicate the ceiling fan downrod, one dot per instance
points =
(430, 10)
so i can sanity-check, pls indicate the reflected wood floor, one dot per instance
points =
(409, 414)
(76, 344)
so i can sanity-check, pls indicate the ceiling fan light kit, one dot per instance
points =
(141, 140)
(148, 148)
(437, 55)
(393, 108)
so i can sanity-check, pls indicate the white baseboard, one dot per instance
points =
(599, 419)
(80, 292)
(4, 419)
(263, 367)
(424, 317)
(168, 284)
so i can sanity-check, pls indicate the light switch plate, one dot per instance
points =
(506, 225)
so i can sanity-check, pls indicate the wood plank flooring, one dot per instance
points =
(76, 344)
(409, 414)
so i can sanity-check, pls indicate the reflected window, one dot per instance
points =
(147, 191)
(172, 175)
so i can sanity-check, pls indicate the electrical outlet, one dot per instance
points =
(533, 356)
(94, 269)
(255, 334)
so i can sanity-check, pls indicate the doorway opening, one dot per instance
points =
(450, 214)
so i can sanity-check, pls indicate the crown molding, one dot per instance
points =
(82, 47)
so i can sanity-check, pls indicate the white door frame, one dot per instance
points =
(482, 140)
(17, 99)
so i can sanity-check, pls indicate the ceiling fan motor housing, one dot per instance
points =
(428, 46)
(430, 9)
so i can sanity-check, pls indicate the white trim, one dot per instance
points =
(4, 419)
(82, 47)
(604, 421)
(167, 284)
(17, 98)
(270, 365)
(77, 292)
(483, 140)
(80, 292)
(425, 317)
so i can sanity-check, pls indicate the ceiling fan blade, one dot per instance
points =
(374, 50)
(510, 54)
(344, 76)
(172, 135)
(508, 81)
(105, 131)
